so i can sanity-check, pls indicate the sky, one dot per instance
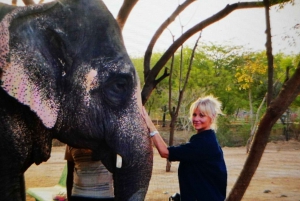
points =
(244, 27)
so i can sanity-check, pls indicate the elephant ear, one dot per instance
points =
(24, 77)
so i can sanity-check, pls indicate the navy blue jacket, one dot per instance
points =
(202, 171)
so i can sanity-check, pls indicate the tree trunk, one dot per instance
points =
(28, 2)
(174, 112)
(250, 108)
(164, 116)
(171, 138)
(278, 106)
(269, 53)
(254, 128)
(172, 127)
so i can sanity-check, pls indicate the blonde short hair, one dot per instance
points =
(208, 105)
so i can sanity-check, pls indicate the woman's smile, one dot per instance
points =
(201, 121)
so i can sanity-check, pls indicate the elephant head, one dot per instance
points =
(65, 74)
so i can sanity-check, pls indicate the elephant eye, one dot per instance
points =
(120, 85)
(117, 89)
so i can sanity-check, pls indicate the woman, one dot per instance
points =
(87, 180)
(202, 171)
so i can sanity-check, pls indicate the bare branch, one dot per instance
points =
(269, 53)
(170, 89)
(184, 37)
(28, 2)
(181, 92)
(166, 74)
(159, 31)
(191, 62)
(125, 11)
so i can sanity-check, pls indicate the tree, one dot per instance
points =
(216, 66)
(158, 96)
(276, 108)
(274, 111)
(182, 83)
(26, 2)
(250, 74)
(151, 79)
(271, 116)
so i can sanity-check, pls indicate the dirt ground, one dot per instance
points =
(276, 179)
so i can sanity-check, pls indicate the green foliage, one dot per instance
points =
(223, 132)
(227, 72)
(139, 67)
(232, 135)
(215, 68)
(296, 103)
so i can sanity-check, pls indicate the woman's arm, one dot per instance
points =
(156, 138)
(160, 145)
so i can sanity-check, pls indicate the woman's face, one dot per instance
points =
(201, 121)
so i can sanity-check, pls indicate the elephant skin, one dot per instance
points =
(65, 74)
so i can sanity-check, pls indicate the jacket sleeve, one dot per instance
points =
(196, 150)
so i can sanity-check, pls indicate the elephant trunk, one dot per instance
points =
(131, 183)
(132, 176)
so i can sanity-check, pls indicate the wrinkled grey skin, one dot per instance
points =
(65, 74)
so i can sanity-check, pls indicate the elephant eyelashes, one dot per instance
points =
(120, 86)
(117, 89)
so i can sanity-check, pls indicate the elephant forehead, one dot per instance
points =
(91, 80)
(120, 64)
(90, 83)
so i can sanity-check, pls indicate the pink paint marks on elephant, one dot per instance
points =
(17, 83)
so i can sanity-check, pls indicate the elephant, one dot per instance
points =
(65, 74)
